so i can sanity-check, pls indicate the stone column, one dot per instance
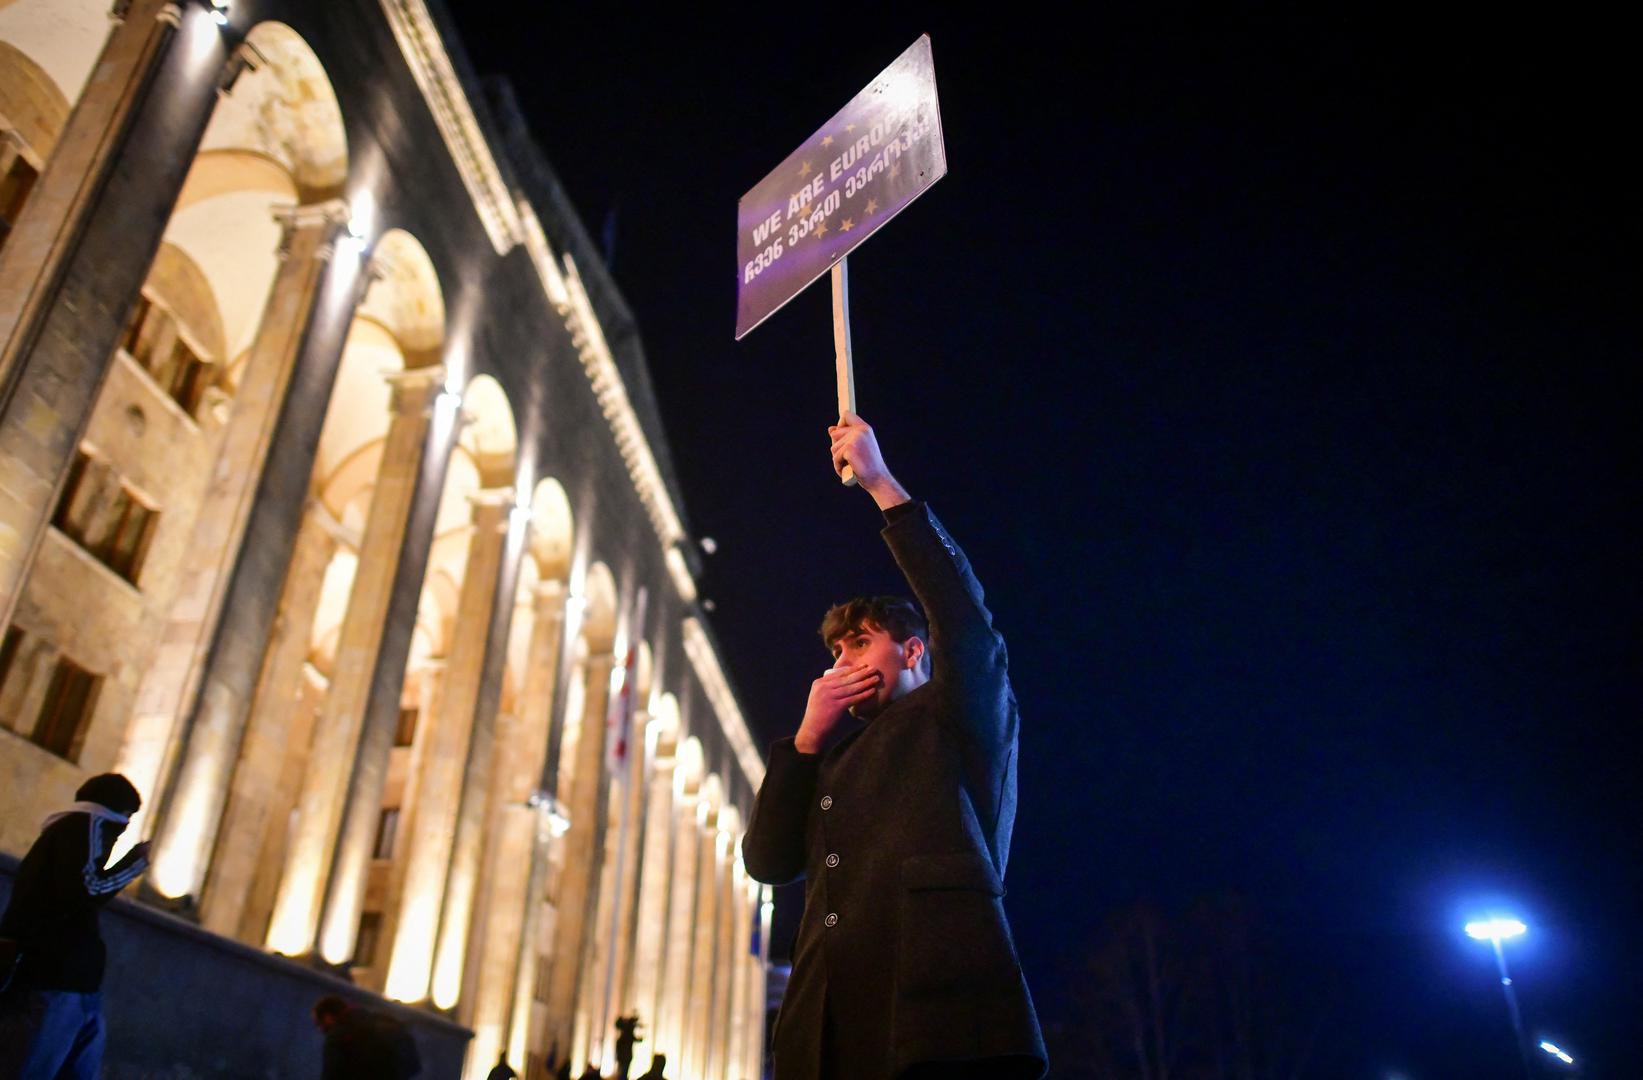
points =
(612, 937)
(724, 952)
(758, 995)
(528, 1028)
(72, 268)
(433, 820)
(632, 871)
(374, 754)
(270, 845)
(326, 783)
(525, 1034)
(577, 894)
(67, 191)
(644, 997)
(255, 786)
(509, 861)
(703, 950)
(453, 973)
(592, 1036)
(339, 935)
(188, 829)
(759, 992)
(740, 935)
(681, 922)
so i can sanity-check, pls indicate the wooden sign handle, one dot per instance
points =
(841, 351)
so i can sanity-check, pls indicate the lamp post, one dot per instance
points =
(1494, 931)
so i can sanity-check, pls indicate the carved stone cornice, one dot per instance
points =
(705, 659)
(610, 391)
(430, 65)
(567, 295)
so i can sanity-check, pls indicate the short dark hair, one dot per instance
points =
(329, 1006)
(113, 791)
(895, 615)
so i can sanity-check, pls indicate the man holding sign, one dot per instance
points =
(895, 801)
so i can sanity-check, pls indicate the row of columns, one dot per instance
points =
(327, 792)
(513, 875)
(172, 678)
(684, 913)
(116, 171)
(227, 683)
(658, 928)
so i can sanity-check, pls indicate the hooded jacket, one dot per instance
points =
(60, 891)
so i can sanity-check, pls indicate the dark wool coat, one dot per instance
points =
(902, 833)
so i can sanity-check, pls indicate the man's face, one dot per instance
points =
(896, 663)
(108, 832)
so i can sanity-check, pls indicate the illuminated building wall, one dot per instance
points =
(329, 515)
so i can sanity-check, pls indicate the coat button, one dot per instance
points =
(832, 860)
(832, 919)
(827, 802)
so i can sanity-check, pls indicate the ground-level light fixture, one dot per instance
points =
(558, 819)
(354, 236)
(449, 398)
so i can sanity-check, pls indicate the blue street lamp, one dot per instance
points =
(1557, 1052)
(1495, 930)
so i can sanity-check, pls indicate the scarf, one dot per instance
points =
(96, 810)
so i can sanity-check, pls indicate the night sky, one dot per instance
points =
(1277, 377)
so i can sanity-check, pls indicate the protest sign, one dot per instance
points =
(860, 169)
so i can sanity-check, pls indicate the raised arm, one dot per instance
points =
(102, 884)
(968, 658)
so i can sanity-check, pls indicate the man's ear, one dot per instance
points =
(912, 651)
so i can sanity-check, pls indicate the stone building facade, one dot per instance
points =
(335, 513)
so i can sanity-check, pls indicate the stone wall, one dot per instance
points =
(184, 1004)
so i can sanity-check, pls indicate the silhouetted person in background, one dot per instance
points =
(627, 1033)
(51, 1016)
(502, 1070)
(364, 1045)
(657, 1064)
